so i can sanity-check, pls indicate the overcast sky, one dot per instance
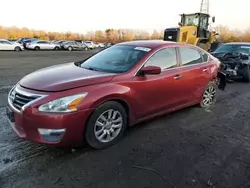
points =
(86, 15)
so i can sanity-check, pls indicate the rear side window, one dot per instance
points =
(190, 56)
(165, 59)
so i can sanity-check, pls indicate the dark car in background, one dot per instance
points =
(238, 47)
(235, 59)
(96, 99)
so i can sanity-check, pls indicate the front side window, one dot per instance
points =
(165, 59)
(116, 59)
(190, 56)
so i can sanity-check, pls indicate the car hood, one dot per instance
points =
(63, 77)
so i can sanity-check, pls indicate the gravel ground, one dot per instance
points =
(192, 147)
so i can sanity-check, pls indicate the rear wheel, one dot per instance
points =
(70, 48)
(209, 95)
(37, 48)
(17, 49)
(56, 48)
(106, 125)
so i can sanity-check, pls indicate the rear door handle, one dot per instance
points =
(205, 70)
(177, 77)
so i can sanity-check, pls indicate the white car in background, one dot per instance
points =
(12, 46)
(42, 45)
(91, 45)
(100, 45)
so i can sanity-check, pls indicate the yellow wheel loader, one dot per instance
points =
(193, 29)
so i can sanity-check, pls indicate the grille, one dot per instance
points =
(20, 100)
(171, 35)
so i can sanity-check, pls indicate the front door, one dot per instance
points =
(161, 91)
(5, 45)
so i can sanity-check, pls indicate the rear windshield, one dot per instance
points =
(116, 59)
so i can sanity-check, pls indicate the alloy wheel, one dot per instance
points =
(108, 125)
(209, 96)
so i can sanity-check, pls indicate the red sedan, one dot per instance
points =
(94, 100)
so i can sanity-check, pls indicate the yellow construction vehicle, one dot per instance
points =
(193, 29)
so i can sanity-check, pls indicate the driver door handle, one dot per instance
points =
(176, 77)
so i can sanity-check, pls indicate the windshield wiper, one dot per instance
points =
(90, 68)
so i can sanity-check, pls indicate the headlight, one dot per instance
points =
(65, 104)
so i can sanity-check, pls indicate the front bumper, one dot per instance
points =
(58, 129)
(64, 130)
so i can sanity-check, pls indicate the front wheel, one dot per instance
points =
(106, 125)
(209, 95)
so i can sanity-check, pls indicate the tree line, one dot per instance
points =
(113, 35)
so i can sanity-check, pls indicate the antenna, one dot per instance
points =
(204, 6)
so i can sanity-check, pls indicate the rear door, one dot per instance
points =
(156, 93)
(41, 45)
(196, 69)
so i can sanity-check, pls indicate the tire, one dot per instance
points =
(37, 48)
(70, 48)
(56, 48)
(17, 49)
(246, 74)
(92, 126)
(209, 95)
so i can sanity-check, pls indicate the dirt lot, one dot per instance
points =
(189, 148)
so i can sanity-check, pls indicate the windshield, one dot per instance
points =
(116, 59)
(245, 49)
(191, 20)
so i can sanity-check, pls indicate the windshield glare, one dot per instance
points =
(116, 59)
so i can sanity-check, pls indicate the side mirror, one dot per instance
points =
(180, 23)
(151, 70)
(213, 19)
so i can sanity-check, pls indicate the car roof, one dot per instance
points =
(149, 43)
(237, 43)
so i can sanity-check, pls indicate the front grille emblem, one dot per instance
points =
(13, 95)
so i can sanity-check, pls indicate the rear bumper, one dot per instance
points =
(221, 80)
(65, 130)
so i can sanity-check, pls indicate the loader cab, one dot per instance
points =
(199, 20)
